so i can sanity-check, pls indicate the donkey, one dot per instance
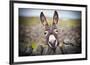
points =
(51, 32)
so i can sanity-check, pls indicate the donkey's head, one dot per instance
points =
(51, 32)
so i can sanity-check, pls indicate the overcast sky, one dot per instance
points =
(49, 13)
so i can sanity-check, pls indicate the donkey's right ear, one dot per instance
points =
(43, 19)
(55, 18)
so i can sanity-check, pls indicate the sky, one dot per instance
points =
(65, 14)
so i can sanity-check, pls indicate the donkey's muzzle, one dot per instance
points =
(52, 44)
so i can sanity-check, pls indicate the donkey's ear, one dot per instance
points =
(55, 18)
(43, 19)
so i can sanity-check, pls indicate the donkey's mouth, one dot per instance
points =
(53, 44)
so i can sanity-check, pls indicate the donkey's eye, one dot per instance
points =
(56, 31)
(46, 32)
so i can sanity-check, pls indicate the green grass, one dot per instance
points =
(36, 20)
(33, 45)
(29, 20)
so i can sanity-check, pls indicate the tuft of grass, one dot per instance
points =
(33, 44)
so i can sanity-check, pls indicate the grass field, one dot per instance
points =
(36, 20)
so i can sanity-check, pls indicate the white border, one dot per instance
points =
(48, 57)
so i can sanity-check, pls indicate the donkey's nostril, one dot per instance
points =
(49, 42)
(54, 41)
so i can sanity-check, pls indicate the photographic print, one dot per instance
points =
(47, 31)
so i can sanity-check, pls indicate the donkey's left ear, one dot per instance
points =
(55, 18)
